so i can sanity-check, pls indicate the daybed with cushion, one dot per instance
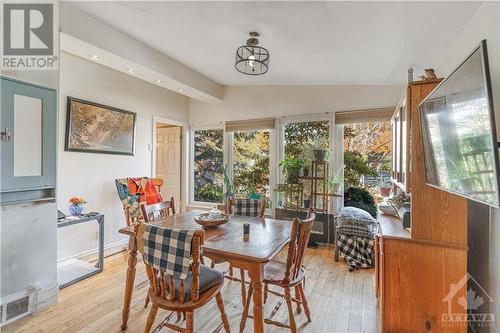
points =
(354, 234)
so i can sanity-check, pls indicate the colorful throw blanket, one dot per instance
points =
(356, 251)
(168, 250)
(134, 191)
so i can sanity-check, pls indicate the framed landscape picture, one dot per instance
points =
(96, 128)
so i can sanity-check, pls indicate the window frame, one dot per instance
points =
(193, 203)
(272, 152)
(332, 138)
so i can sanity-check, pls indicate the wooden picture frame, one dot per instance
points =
(97, 128)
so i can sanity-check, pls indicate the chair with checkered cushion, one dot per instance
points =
(177, 280)
(248, 207)
(154, 212)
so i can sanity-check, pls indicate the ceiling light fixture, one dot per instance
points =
(250, 58)
(181, 91)
(130, 70)
(95, 57)
(159, 81)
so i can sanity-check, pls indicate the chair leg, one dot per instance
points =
(146, 301)
(288, 298)
(231, 270)
(297, 296)
(244, 315)
(304, 302)
(220, 305)
(243, 288)
(151, 318)
(212, 264)
(189, 322)
(266, 288)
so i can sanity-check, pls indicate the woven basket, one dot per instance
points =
(207, 223)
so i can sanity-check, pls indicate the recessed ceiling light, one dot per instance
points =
(159, 81)
(181, 91)
(130, 70)
(94, 56)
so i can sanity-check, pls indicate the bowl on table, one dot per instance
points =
(208, 221)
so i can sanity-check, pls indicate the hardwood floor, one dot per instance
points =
(339, 301)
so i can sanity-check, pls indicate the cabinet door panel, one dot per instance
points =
(29, 156)
(28, 140)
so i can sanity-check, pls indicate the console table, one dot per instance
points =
(74, 270)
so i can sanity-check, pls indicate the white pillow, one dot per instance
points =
(387, 209)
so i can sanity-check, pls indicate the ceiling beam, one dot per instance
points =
(85, 36)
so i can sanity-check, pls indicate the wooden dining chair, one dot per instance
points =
(159, 210)
(170, 293)
(154, 212)
(244, 207)
(287, 276)
(158, 182)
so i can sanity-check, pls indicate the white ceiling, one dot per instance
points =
(311, 43)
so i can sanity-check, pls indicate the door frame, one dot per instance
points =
(184, 200)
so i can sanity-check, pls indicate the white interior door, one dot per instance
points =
(168, 162)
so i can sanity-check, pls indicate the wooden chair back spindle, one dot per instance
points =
(299, 237)
(158, 182)
(157, 211)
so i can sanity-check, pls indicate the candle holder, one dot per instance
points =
(246, 231)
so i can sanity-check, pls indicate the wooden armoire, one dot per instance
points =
(419, 270)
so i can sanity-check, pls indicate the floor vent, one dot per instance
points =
(18, 305)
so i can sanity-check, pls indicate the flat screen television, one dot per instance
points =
(457, 124)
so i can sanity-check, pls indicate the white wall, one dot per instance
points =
(485, 25)
(20, 222)
(92, 175)
(240, 102)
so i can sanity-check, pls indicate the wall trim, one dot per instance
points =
(96, 250)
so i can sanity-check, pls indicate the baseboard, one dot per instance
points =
(109, 249)
(47, 297)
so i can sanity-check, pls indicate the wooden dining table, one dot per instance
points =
(226, 242)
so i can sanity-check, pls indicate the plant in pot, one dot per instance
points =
(76, 206)
(292, 168)
(320, 149)
(385, 187)
(335, 182)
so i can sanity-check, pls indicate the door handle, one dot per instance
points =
(5, 135)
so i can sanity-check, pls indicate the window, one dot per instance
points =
(367, 155)
(251, 163)
(208, 165)
(301, 137)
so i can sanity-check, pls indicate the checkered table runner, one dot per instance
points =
(246, 207)
(356, 251)
(168, 250)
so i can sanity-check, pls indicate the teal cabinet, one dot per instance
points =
(27, 136)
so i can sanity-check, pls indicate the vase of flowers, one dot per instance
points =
(76, 206)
